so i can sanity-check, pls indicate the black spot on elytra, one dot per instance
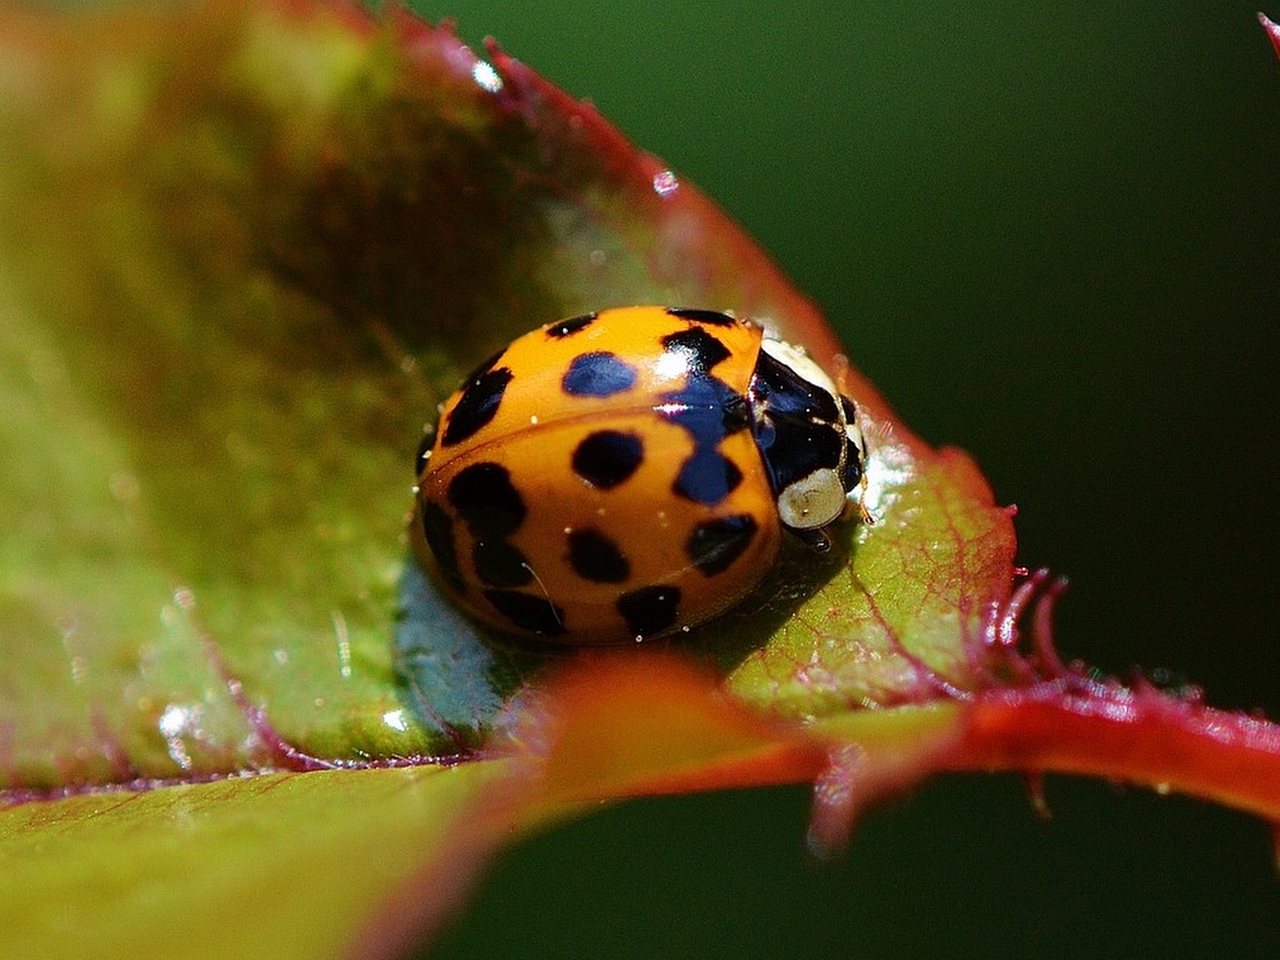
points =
(527, 612)
(571, 326)
(595, 557)
(736, 413)
(707, 477)
(484, 367)
(478, 404)
(486, 500)
(649, 610)
(607, 457)
(437, 529)
(701, 350)
(715, 545)
(712, 317)
(500, 563)
(709, 409)
(598, 374)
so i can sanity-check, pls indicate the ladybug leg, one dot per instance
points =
(839, 792)
(859, 507)
(865, 515)
(815, 538)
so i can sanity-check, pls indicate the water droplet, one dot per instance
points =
(174, 720)
(486, 77)
(178, 722)
(344, 643)
(665, 183)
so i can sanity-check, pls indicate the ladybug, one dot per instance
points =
(628, 473)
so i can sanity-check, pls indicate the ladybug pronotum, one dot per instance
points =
(628, 473)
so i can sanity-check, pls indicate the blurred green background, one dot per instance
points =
(1050, 233)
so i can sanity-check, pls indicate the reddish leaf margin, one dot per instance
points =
(1273, 31)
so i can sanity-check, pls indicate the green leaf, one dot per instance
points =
(907, 616)
(250, 270)
(277, 865)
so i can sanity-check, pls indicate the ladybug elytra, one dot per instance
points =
(629, 473)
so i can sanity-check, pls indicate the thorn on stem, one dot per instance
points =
(836, 798)
(1035, 793)
(1275, 846)
(1042, 628)
(1273, 31)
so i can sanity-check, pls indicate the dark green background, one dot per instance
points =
(1051, 234)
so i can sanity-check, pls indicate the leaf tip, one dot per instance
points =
(1273, 30)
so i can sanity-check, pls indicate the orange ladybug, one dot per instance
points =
(628, 473)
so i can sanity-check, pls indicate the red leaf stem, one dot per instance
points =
(1137, 735)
